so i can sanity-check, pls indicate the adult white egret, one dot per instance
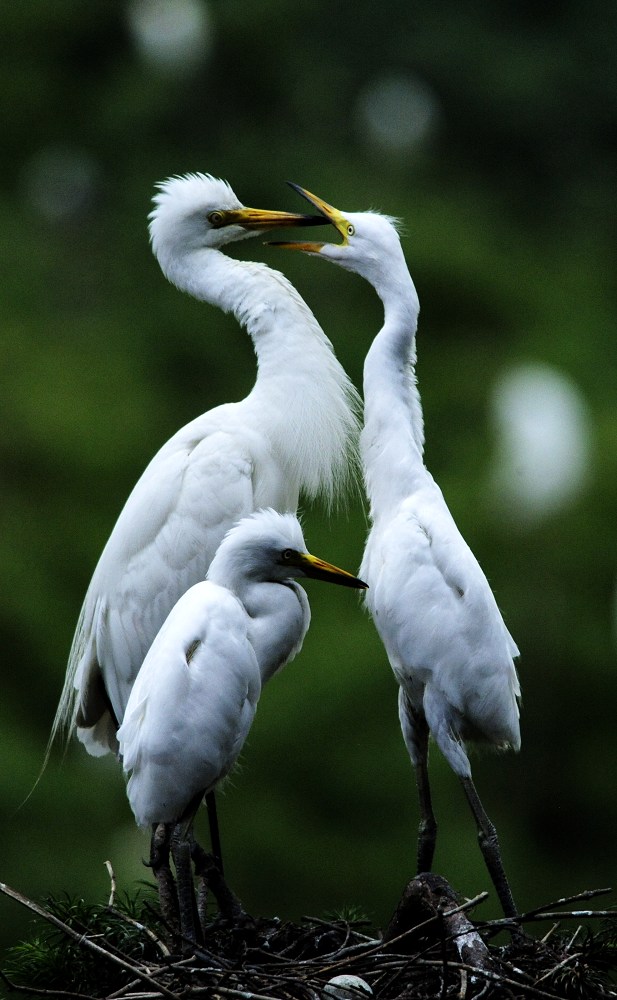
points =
(293, 434)
(435, 612)
(194, 698)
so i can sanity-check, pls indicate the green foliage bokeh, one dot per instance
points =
(509, 213)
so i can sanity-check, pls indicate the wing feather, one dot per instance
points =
(191, 706)
(197, 486)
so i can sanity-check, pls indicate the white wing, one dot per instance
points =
(191, 706)
(198, 485)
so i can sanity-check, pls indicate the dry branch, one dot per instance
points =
(430, 950)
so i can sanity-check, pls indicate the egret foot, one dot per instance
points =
(207, 869)
(190, 928)
(202, 901)
(159, 863)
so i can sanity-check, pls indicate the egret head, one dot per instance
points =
(269, 547)
(199, 211)
(370, 240)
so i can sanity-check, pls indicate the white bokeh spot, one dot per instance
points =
(397, 112)
(543, 430)
(173, 35)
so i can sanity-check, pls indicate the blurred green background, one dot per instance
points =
(490, 129)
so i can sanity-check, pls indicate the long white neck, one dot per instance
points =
(278, 610)
(392, 441)
(302, 397)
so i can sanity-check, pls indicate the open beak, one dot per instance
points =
(320, 570)
(262, 219)
(329, 214)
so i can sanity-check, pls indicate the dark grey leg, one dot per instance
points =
(202, 899)
(206, 868)
(427, 829)
(489, 845)
(189, 923)
(159, 862)
(215, 839)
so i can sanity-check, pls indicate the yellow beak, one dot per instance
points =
(318, 569)
(329, 214)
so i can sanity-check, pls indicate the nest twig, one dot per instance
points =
(430, 951)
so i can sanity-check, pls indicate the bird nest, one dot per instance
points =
(431, 950)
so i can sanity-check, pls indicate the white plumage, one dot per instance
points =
(191, 706)
(293, 434)
(445, 637)
(431, 603)
(194, 699)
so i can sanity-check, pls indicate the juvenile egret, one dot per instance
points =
(435, 612)
(195, 696)
(295, 433)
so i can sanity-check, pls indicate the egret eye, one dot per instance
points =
(216, 218)
(350, 229)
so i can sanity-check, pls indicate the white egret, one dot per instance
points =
(435, 612)
(194, 699)
(293, 434)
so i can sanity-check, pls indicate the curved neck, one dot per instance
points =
(393, 435)
(278, 611)
(302, 397)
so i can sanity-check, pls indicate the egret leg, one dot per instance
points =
(215, 839)
(415, 730)
(189, 922)
(206, 867)
(202, 898)
(427, 829)
(489, 845)
(159, 862)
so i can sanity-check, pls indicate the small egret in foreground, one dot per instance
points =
(295, 433)
(194, 699)
(447, 643)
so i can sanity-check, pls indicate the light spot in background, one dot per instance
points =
(173, 35)
(543, 432)
(398, 113)
(59, 182)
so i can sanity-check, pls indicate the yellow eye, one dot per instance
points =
(350, 229)
(215, 218)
